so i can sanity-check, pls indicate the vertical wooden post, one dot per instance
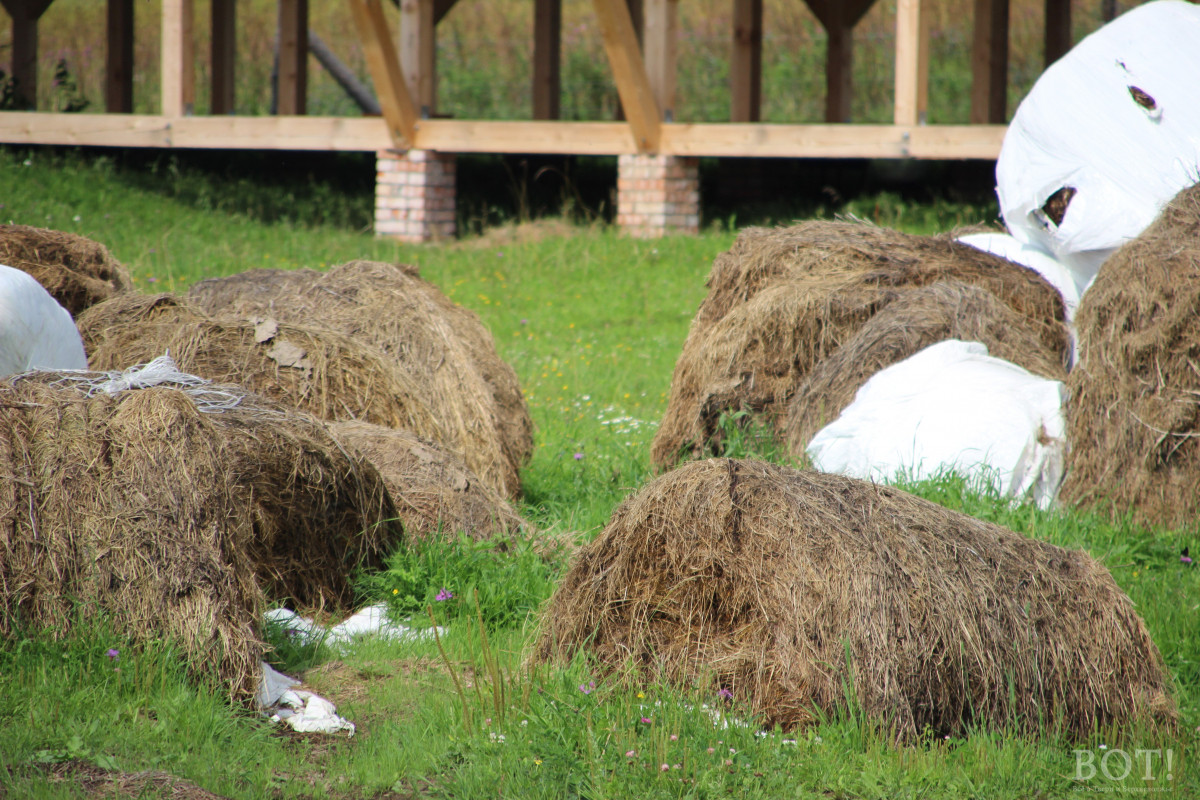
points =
(745, 67)
(912, 63)
(293, 57)
(223, 52)
(178, 64)
(1058, 30)
(547, 58)
(839, 17)
(418, 53)
(25, 15)
(989, 63)
(118, 58)
(659, 35)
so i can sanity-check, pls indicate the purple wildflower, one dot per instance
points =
(579, 456)
(1185, 560)
(444, 595)
(631, 753)
(646, 720)
(113, 653)
(725, 694)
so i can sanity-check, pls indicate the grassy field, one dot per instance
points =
(592, 323)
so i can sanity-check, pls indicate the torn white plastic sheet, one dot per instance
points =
(952, 407)
(1116, 120)
(301, 710)
(35, 331)
(371, 620)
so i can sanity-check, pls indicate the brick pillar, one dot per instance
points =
(414, 195)
(657, 195)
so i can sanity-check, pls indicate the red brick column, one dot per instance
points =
(657, 195)
(414, 195)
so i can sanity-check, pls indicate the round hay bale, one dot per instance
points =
(76, 271)
(434, 491)
(928, 315)
(1133, 420)
(781, 301)
(786, 587)
(323, 372)
(443, 347)
(170, 509)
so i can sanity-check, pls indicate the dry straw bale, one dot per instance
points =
(172, 521)
(76, 271)
(781, 301)
(434, 491)
(314, 369)
(1133, 421)
(928, 315)
(768, 581)
(444, 348)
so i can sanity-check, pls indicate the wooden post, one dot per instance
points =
(660, 32)
(629, 71)
(745, 66)
(399, 108)
(293, 57)
(912, 63)
(989, 63)
(418, 51)
(839, 18)
(25, 15)
(118, 58)
(223, 52)
(178, 64)
(1058, 30)
(547, 58)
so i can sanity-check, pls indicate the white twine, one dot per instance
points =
(162, 371)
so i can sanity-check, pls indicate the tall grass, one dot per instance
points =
(485, 46)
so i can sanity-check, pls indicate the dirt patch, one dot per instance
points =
(98, 782)
(785, 587)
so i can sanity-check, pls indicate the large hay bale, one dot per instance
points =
(323, 372)
(1133, 420)
(787, 587)
(781, 301)
(76, 271)
(434, 491)
(927, 315)
(168, 510)
(444, 348)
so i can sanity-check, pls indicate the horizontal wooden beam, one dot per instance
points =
(485, 136)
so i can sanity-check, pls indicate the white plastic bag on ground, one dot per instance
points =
(370, 620)
(952, 407)
(1116, 121)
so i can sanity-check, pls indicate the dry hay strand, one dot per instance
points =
(786, 587)
(170, 521)
(320, 371)
(781, 301)
(443, 347)
(929, 314)
(76, 271)
(434, 491)
(95, 781)
(1133, 421)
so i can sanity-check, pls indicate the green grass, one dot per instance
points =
(592, 323)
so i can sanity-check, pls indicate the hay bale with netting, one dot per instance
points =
(76, 271)
(444, 348)
(1133, 420)
(781, 301)
(169, 510)
(786, 587)
(434, 491)
(312, 369)
(927, 315)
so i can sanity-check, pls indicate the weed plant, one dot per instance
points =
(592, 324)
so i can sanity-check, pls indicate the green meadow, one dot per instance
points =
(592, 322)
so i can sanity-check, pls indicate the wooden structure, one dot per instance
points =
(639, 39)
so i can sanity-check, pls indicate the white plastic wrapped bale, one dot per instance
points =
(1111, 131)
(952, 407)
(35, 331)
